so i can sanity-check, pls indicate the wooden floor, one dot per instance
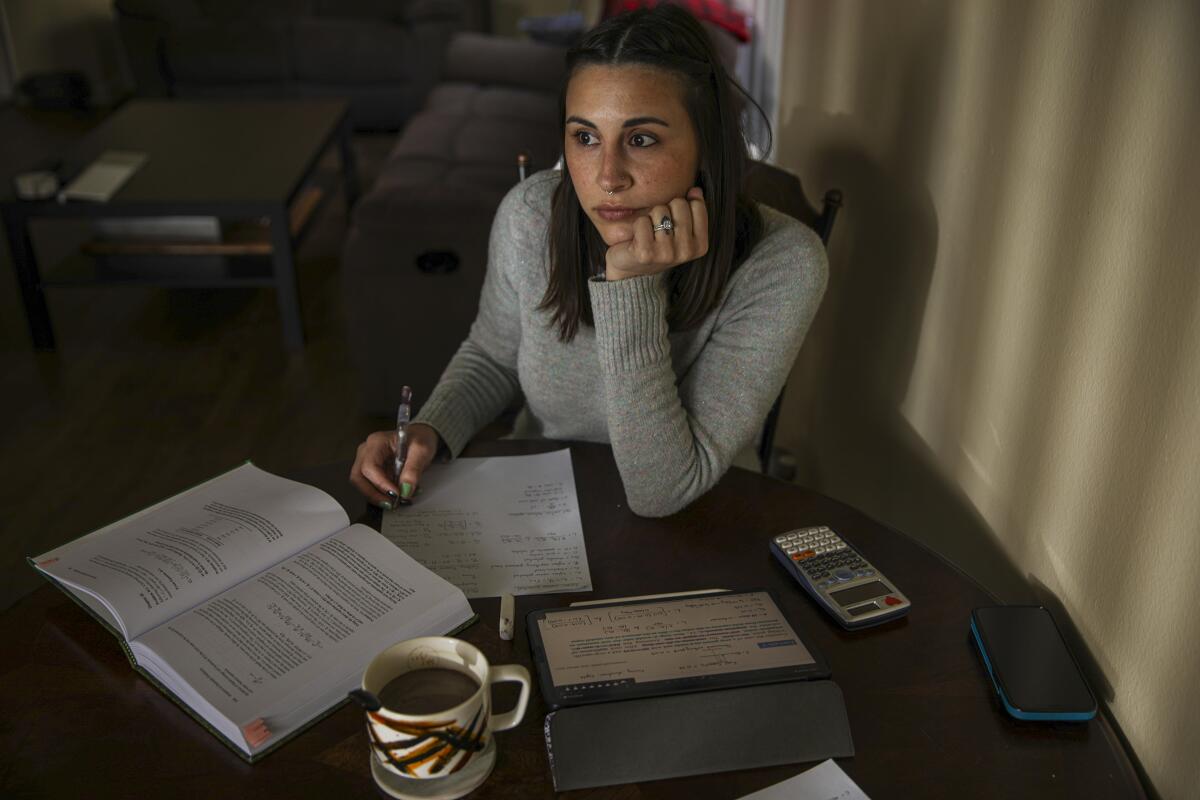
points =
(151, 391)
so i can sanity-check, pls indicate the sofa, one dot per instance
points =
(416, 253)
(383, 56)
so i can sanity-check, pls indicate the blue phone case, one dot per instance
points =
(1085, 710)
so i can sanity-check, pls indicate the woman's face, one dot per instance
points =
(629, 144)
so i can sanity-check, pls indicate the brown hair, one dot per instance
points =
(669, 38)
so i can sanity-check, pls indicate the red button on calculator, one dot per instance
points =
(892, 601)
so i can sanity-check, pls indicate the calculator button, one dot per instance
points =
(868, 572)
(803, 555)
(843, 574)
(781, 539)
(791, 548)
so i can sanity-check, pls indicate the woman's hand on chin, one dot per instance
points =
(649, 251)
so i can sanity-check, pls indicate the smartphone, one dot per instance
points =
(1033, 672)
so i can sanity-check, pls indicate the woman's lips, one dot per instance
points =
(615, 213)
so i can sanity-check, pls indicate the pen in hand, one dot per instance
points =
(402, 417)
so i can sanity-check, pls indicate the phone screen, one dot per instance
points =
(1030, 660)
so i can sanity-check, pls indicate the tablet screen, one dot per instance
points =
(677, 644)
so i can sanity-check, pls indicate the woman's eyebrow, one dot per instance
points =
(635, 121)
(629, 123)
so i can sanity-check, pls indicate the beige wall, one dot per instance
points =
(1007, 363)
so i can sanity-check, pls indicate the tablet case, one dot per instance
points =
(694, 734)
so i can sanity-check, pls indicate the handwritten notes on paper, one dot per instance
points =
(496, 525)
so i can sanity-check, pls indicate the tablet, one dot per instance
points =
(645, 648)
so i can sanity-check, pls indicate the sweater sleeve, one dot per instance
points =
(673, 437)
(481, 379)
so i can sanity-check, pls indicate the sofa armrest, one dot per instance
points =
(496, 60)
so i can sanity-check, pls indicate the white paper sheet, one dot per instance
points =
(825, 781)
(496, 525)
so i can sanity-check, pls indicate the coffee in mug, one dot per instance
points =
(427, 691)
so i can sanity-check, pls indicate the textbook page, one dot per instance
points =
(293, 640)
(166, 559)
(497, 525)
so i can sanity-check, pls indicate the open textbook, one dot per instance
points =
(252, 602)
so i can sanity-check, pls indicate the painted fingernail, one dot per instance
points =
(406, 490)
(392, 494)
(386, 505)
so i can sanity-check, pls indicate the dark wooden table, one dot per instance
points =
(239, 161)
(76, 720)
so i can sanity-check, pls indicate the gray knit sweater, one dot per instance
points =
(675, 406)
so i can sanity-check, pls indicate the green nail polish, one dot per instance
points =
(386, 505)
(406, 490)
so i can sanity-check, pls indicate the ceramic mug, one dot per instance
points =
(441, 743)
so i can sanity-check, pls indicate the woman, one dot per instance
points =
(638, 298)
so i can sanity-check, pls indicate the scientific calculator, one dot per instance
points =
(844, 583)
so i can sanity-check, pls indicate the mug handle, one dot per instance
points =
(517, 674)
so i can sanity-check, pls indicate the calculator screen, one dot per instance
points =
(867, 591)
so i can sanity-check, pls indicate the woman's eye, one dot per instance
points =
(642, 140)
(585, 138)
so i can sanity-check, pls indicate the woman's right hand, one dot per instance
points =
(649, 252)
(372, 470)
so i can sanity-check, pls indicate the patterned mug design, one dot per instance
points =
(428, 746)
(439, 744)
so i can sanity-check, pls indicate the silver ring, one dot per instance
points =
(666, 225)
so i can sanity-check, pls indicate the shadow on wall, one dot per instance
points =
(852, 375)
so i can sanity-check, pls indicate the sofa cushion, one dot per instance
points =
(235, 51)
(476, 140)
(451, 192)
(170, 12)
(470, 15)
(361, 51)
(258, 9)
(495, 60)
(498, 102)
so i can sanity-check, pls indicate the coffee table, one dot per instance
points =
(246, 161)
